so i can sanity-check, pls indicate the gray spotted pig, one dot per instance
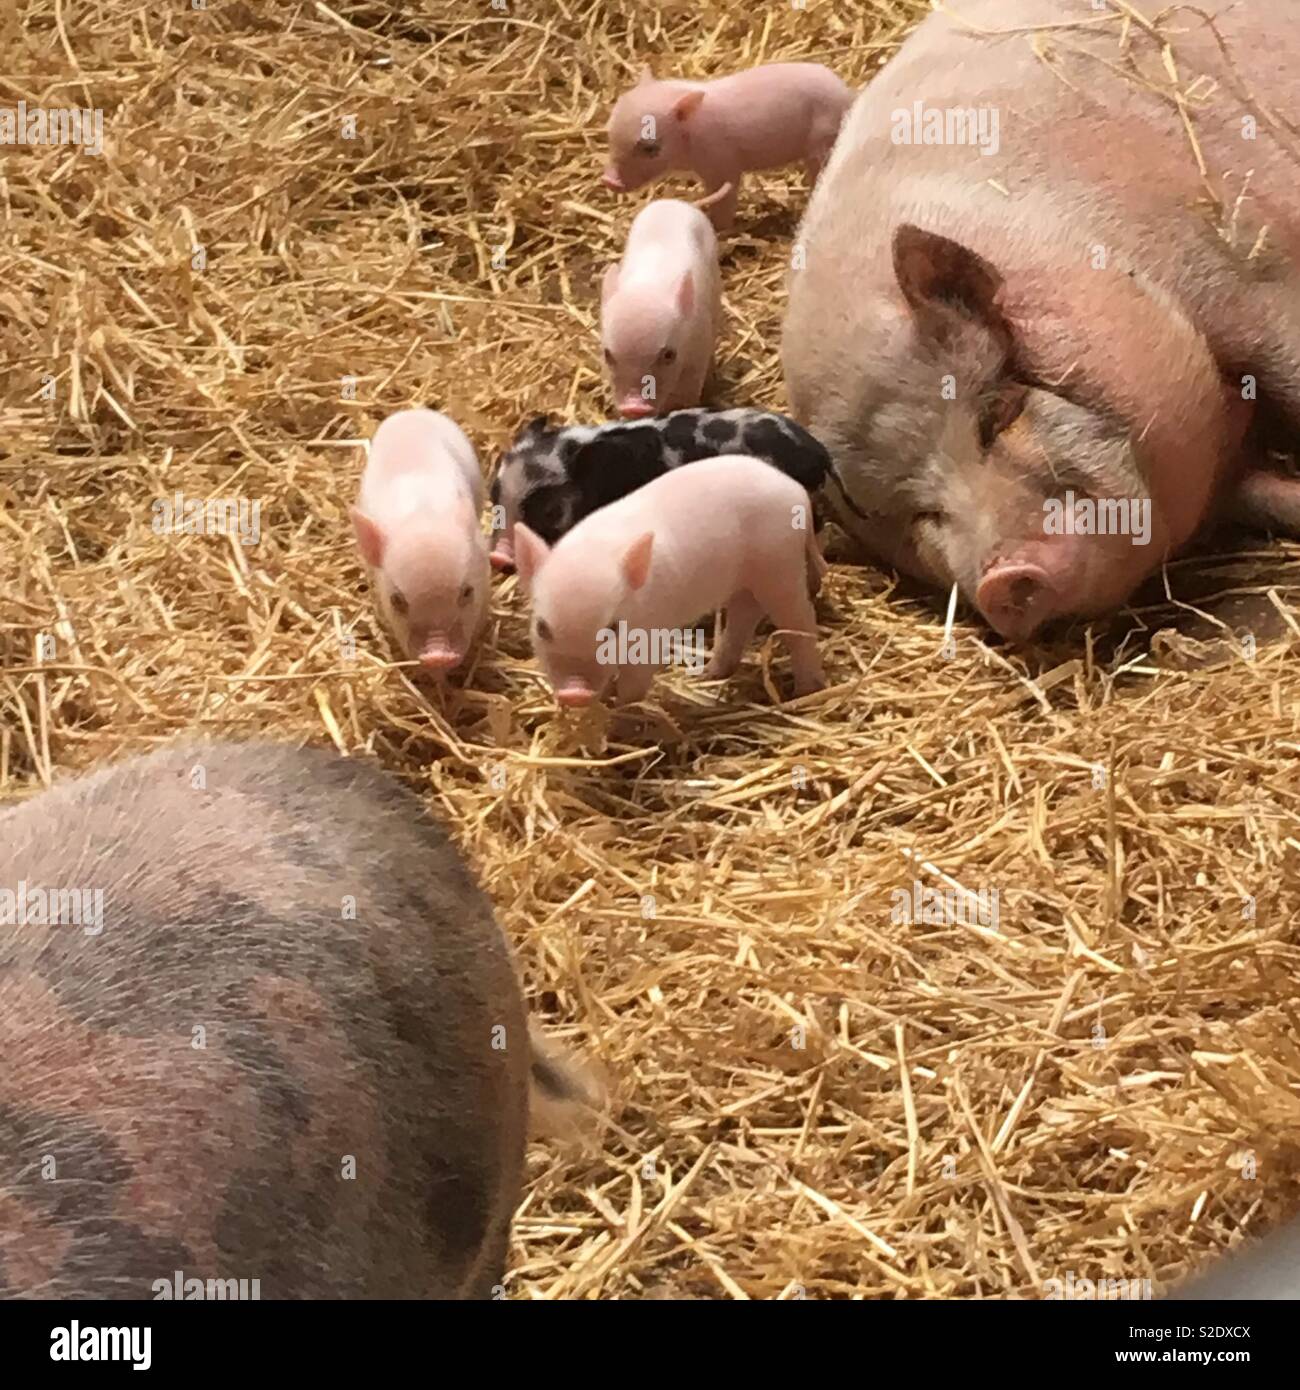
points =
(257, 1021)
(552, 477)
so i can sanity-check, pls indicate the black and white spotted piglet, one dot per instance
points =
(552, 477)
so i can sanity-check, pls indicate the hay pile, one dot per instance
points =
(809, 1097)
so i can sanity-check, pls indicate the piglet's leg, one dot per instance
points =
(722, 192)
(743, 613)
(820, 143)
(791, 612)
(634, 683)
(503, 550)
(1270, 501)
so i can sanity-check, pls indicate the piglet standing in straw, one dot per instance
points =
(659, 310)
(728, 532)
(417, 525)
(782, 113)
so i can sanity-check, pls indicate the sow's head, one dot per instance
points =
(954, 465)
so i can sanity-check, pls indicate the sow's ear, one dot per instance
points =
(940, 277)
(530, 553)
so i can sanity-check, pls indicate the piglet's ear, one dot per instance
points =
(644, 76)
(530, 553)
(686, 293)
(370, 539)
(636, 560)
(686, 105)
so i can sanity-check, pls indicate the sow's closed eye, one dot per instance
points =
(1001, 410)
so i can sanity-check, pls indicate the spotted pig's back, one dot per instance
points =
(287, 1046)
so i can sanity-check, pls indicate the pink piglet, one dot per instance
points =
(782, 113)
(659, 310)
(614, 599)
(417, 526)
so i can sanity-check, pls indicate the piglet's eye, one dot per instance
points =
(648, 147)
(609, 357)
(466, 594)
(400, 605)
(544, 632)
(668, 355)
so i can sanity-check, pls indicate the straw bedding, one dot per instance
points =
(808, 1098)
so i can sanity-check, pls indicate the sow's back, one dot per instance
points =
(257, 1021)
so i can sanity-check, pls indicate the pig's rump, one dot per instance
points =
(276, 1059)
(764, 116)
(668, 239)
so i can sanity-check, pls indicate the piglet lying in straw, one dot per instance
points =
(619, 590)
(417, 524)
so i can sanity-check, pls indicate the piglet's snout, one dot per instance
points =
(575, 695)
(441, 654)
